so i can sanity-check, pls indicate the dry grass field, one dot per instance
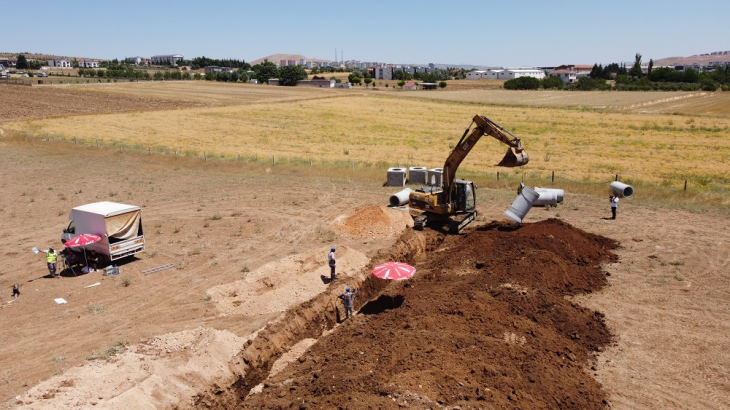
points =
(257, 234)
(565, 134)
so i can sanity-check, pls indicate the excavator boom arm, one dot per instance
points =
(516, 155)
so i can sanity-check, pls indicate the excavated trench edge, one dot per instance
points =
(308, 320)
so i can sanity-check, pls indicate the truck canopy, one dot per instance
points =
(107, 219)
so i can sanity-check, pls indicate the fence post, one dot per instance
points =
(205, 157)
(149, 151)
(553, 177)
(685, 184)
(273, 161)
(97, 143)
(497, 175)
(175, 153)
(616, 177)
(310, 162)
(75, 140)
(120, 147)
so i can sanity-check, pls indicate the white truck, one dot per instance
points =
(118, 225)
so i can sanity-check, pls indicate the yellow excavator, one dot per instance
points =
(455, 202)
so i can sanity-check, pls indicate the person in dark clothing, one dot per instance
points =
(16, 291)
(348, 299)
(332, 261)
(614, 205)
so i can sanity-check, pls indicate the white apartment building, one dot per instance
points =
(171, 59)
(59, 63)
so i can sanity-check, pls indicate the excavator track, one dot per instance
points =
(456, 225)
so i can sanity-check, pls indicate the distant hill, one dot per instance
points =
(276, 58)
(702, 59)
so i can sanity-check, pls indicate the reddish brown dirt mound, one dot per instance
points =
(374, 222)
(484, 324)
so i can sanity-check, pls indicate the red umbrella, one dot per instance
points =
(82, 240)
(394, 271)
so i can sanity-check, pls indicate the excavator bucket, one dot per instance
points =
(513, 158)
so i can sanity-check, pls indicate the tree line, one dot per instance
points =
(618, 77)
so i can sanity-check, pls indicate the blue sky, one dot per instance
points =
(495, 33)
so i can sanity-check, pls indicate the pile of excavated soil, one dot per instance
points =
(373, 222)
(485, 323)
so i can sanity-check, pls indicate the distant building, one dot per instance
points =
(571, 72)
(88, 64)
(216, 69)
(318, 82)
(59, 63)
(383, 73)
(163, 59)
(505, 73)
(410, 86)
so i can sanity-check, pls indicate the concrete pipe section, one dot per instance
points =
(559, 193)
(400, 198)
(396, 177)
(417, 175)
(546, 198)
(522, 205)
(621, 189)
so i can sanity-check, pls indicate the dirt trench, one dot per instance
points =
(486, 323)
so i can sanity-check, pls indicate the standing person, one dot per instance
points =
(614, 205)
(16, 291)
(332, 261)
(51, 258)
(348, 299)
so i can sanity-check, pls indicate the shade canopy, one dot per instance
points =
(394, 271)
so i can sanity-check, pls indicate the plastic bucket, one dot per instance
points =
(622, 189)
(522, 205)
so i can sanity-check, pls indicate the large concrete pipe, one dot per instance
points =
(400, 198)
(522, 205)
(396, 177)
(622, 189)
(558, 192)
(546, 198)
(417, 175)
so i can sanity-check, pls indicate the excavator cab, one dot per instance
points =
(465, 195)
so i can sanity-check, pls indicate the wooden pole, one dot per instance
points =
(149, 151)
(273, 161)
(685, 184)
(205, 157)
(553, 177)
(497, 175)
(616, 177)
(175, 153)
